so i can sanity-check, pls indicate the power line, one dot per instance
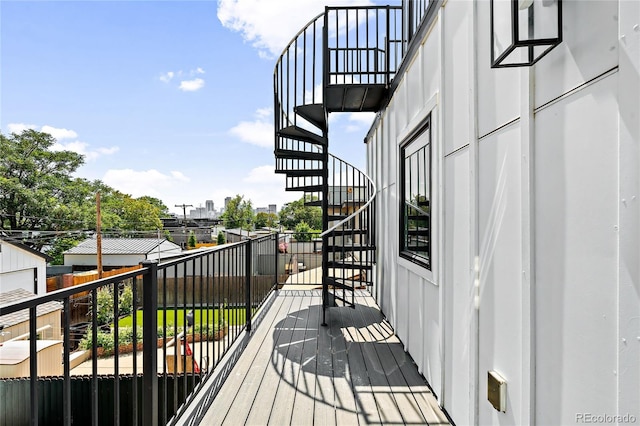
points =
(184, 209)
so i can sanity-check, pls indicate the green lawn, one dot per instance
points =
(232, 316)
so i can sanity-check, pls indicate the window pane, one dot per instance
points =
(416, 218)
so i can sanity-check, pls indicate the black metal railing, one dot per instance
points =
(361, 44)
(414, 12)
(300, 258)
(155, 335)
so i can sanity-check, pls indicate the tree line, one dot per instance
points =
(38, 193)
(51, 210)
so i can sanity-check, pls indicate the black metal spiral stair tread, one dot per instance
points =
(307, 188)
(348, 231)
(350, 247)
(301, 172)
(350, 264)
(298, 133)
(344, 283)
(314, 114)
(291, 154)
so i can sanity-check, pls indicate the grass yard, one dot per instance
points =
(232, 316)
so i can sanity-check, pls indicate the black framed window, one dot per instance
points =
(415, 204)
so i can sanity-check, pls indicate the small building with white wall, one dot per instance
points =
(118, 252)
(22, 267)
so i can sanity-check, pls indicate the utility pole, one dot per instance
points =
(99, 236)
(184, 210)
(184, 220)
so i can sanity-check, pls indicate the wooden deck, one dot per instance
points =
(294, 371)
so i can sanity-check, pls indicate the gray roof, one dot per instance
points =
(17, 243)
(118, 246)
(22, 316)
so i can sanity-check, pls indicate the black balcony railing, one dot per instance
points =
(155, 335)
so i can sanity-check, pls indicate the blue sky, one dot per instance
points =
(171, 99)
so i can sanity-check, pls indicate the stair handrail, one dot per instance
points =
(354, 214)
(281, 57)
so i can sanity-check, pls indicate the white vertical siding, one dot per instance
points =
(458, 286)
(576, 238)
(629, 211)
(559, 308)
(17, 269)
(500, 266)
(498, 90)
(589, 48)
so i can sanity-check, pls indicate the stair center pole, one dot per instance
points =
(325, 178)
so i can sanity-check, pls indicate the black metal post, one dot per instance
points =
(276, 259)
(247, 277)
(33, 366)
(325, 180)
(149, 346)
(66, 385)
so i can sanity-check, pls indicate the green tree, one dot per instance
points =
(296, 212)
(37, 192)
(61, 244)
(303, 232)
(266, 220)
(36, 187)
(221, 238)
(191, 243)
(238, 213)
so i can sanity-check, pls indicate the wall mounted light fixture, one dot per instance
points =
(523, 31)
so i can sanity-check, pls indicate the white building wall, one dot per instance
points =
(17, 269)
(538, 179)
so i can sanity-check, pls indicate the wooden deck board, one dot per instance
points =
(405, 401)
(226, 398)
(424, 398)
(288, 331)
(303, 404)
(344, 398)
(281, 413)
(294, 371)
(324, 413)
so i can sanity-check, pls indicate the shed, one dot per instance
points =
(119, 252)
(14, 358)
(48, 321)
(22, 267)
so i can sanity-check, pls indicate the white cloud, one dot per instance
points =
(199, 71)
(82, 148)
(359, 121)
(265, 175)
(20, 127)
(59, 133)
(265, 26)
(258, 132)
(191, 85)
(167, 77)
(179, 176)
(145, 182)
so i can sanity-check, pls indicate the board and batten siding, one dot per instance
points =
(536, 198)
(18, 268)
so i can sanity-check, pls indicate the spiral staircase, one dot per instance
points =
(343, 60)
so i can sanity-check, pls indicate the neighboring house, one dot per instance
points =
(234, 235)
(118, 252)
(22, 267)
(16, 325)
(507, 200)
(14, 337)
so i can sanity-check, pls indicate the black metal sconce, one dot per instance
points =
(523, 31)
